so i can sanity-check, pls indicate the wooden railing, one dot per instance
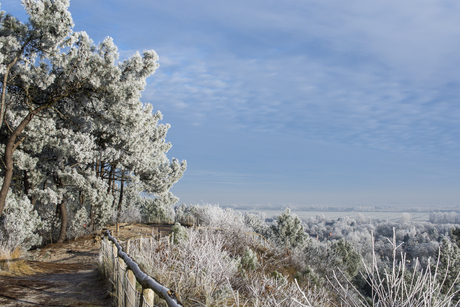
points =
(124, 274)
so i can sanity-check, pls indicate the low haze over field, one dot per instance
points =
(303, 102)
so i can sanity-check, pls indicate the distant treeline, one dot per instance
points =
(445, 217)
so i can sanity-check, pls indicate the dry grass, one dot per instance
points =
(14, 262)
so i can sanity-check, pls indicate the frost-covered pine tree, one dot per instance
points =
(94, 140)
(289, 231)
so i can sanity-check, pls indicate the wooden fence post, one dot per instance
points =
(105, 250)
(130, 297)
(120, 279)
(149, 297)
(114, 263)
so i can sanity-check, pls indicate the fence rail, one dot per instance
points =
(124, 274)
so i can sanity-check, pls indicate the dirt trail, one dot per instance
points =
(66, 274)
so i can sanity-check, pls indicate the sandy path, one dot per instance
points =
(68, 276)
(68, 273)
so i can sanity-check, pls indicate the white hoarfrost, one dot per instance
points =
(19, 223)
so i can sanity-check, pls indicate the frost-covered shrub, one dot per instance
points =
(185, 214)
(258, 225)
(79, 224)
(231, 222)
(159, 209)
(130, 213)
(19, 223)
(198, 269)
(179, 233)
(289, 231)
(215, 216)
(309, 275)
(249, 259)
(346, 257)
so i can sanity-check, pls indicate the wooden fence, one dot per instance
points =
(130, 286)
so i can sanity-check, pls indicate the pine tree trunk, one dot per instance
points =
(111, 175)
(64, 220)
(91, 216)
(120, 200)
(11, 146)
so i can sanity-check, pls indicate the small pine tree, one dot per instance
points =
(249, 260)
(179, 233)
(346, 257)
(289, 231)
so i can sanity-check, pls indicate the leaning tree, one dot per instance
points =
(74, 132)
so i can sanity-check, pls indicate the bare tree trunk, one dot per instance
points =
(97, 168)
(91, 216)
(11, 146)
(64, 220)
(120, 200)
(111, 175)
(81, 198)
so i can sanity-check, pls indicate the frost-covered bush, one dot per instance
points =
(79, 224)
(289, 231)
(323, 258)
(131, 213)
(249, 259)
(215, 216)
(258, 224)
(230, 221)
(185, 214)
(198, 269)
(19, 223)
(309, 275)
(179, 233)
(158, 209)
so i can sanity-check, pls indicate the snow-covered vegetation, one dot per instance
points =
(219, 263)
(79, 149)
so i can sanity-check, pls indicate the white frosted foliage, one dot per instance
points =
(20, 223)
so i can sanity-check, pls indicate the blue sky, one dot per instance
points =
(299, 102)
